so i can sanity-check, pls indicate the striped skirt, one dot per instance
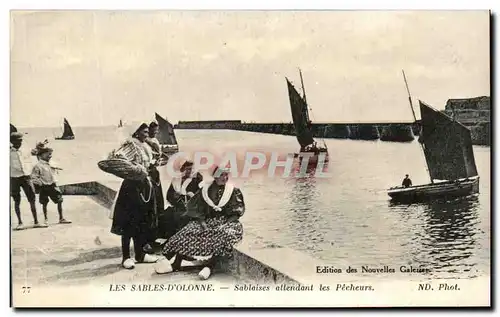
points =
(195, 242)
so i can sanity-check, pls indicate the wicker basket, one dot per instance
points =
(123, 168)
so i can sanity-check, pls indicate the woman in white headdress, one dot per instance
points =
(181, 190)
(214, 229)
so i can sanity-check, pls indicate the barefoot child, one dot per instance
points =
(43, 177)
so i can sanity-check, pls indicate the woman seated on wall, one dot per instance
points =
(213, 230)
(181, 190)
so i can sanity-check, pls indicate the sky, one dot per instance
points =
(97, 67)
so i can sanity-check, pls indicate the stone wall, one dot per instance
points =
(253, 259)
(475, 114)
(477, 103)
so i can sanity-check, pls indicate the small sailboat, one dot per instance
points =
(302, 124)
(166, 136)
(447, 147)
(12, 128)
(67, 132)
(120, 124)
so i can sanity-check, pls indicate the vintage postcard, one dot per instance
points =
(250, 158)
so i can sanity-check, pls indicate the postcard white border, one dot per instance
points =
(185, 4)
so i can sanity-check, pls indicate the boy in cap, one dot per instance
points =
(43, 177)
(20, 170)
(38, 146)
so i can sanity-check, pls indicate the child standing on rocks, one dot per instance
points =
(43, 176)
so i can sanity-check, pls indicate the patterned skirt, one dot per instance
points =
(217, 240)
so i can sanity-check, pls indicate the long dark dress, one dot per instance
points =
(135, 207)
(154, 232)
(134, 213)
(153, 149)
(174, 217)
(224, 228)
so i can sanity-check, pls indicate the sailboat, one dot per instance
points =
(120, 124)
(302, 123)
(447, 147)
(12, 128)
(67, 132)
(166, 136)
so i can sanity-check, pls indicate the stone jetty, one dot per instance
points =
(472, 112)
(399, 132)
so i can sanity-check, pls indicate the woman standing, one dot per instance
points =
(215, 227)
(135, 208)
(181, 190)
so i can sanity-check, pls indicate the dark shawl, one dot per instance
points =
(197, 207)
(177, 200)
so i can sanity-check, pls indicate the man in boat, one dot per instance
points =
(315, 148)
(406, 181)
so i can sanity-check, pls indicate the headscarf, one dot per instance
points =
(219, 170)
(152, 126)
(141, 127)
(186, 165)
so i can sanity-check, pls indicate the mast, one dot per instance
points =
(415, 118)
(297, 105)
(305, 98)
(302, 83)
(307, 105)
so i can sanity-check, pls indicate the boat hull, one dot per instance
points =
(66, 138)
(169, 149)
(314, 159)
(448, 189)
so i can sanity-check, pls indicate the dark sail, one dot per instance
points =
(447, 146)
(68, 132)
(12, 128)
(300, 116)
(166, 134)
